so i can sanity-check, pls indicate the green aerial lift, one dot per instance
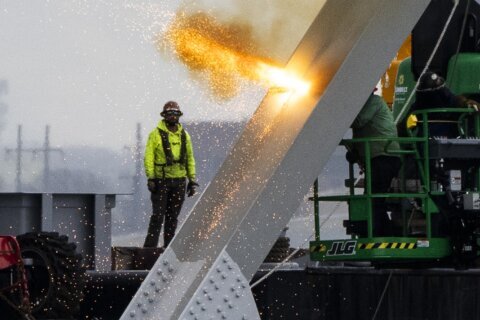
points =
(430, 223)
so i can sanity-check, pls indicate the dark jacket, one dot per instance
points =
(441, 98)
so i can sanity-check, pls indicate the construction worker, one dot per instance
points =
(169, 161)
(375, 120)
(433, 93)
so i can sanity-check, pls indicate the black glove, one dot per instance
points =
(151, 185)
(191, 188)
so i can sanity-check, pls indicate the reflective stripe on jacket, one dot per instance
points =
(155, 160)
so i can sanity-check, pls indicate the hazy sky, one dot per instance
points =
(89, 68)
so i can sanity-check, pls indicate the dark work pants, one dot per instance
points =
(167, 202)
(384, 169)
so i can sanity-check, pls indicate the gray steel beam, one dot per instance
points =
(103, 231)
(281, 151)
(47, 212)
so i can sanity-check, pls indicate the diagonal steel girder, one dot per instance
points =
(280, 153)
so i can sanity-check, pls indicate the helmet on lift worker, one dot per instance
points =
(430, 81)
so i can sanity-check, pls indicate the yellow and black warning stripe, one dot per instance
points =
(387, 245)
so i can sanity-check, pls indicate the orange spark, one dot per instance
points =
(226, 54)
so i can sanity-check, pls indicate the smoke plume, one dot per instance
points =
(236, 40)
(276, 25)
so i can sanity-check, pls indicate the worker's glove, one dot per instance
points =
(473, 105)
(191, 188)
(151, 185)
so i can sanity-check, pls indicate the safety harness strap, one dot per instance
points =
(167, 149)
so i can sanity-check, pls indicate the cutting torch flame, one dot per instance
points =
(224, 56)
(278, 79)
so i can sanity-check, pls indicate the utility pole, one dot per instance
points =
(19, 150)
(138, 166)
(46, 157)
(3, 108)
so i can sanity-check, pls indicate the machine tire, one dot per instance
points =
(55, 274)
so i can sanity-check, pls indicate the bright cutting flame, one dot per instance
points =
(279, 79)
(225, 54)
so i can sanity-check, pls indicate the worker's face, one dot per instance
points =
(172, 116)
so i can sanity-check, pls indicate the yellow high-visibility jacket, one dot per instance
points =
(155, 160)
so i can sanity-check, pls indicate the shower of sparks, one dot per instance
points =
(225, 55)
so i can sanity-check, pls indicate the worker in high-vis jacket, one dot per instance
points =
(169, 162)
